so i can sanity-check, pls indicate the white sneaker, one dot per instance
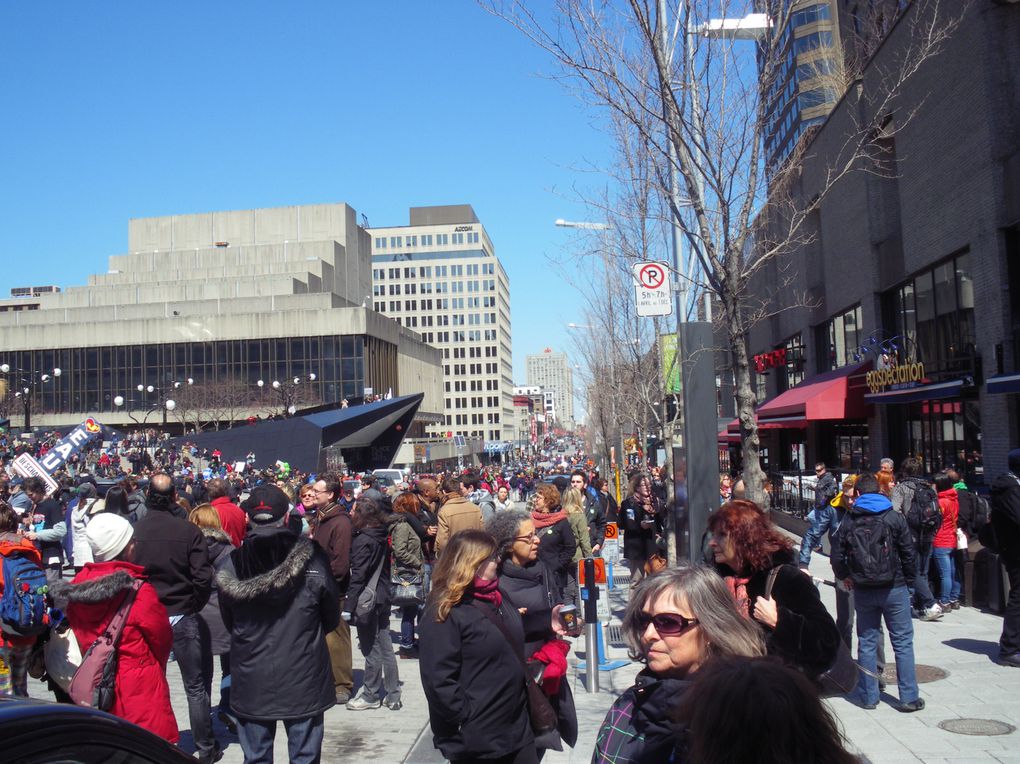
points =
(932, 614)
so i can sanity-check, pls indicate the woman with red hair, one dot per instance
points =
(757, 562)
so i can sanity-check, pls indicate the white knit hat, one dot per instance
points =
(108, 534)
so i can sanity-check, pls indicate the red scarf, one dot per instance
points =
(738, 588)
(545, 519)
(488, 591)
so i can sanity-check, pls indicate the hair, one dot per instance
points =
(406, 504)
(581, 474)
(471, 480)
(370, 513)
(455, 572)
(550, 493)
(911, 467)
(885, 481)
(450, 484)
(184, 502)
(333, 484)
(884, 462)
(8, 518)
(503, 488)
(943, 481)
(217, 487)
(635, 482)
(504, 527)
(425, 483)
(755, 538)
(116, 500)
(33, 485)
(205, 516)
(701, 589)
(573, 501)
(954, 475)
(368, 479)
(161, 498)
(87, 490)
(757, 709)
(867, 483)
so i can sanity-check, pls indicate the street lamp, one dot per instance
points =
(27, 381)
(167, 405)
(288, 391)
(165, 402)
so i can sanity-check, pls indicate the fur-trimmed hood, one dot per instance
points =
(92, 591)
(270, 583)
(216, 534)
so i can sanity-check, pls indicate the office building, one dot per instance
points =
(552, 372)
(204, 306)
(439, 276)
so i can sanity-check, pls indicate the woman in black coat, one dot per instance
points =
(642, 522)
(747, 550)
(556, 541)
(472, 664)
(370, 572)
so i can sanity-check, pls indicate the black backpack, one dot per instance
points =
(924, 516)
(869, 550)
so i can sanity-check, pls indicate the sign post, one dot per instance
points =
(653, 288)
(590, 595)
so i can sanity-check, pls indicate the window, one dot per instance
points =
(810, 15)
(380, 242)
(840, 340)
(793, 373)
(396, 241)
(812, 41)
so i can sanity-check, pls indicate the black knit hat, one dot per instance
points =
(266, 504)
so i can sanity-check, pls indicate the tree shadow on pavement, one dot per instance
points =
(976, 646)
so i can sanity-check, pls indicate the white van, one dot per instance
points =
(397, 476)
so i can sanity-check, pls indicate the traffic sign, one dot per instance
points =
(653, 288)
(611, 546)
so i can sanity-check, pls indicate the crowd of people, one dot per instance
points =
(272, 573)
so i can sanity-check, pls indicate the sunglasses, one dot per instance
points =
(666, 624)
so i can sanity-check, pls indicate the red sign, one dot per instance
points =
(600, 571)
(773, 360)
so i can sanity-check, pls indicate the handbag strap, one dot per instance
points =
(771, 581)
(116, 626)
(498, 623)
(374, 581)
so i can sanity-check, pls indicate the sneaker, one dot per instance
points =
(408, 653)
(1010, 659)
(358, 703)
(393, 705)
(932, 613)
(954, 605)
(342, 695)
(914, 705)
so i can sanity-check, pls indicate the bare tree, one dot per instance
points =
(699, 107)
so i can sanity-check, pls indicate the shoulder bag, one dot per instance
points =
(365, 608)
(94, 683)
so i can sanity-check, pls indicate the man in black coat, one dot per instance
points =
(593, 511)
(176, 560)
(1005, 519)
(278, 591)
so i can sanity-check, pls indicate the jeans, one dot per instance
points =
(14, 670)
(1009, 642)
(949, 584)
(304, 740)
(892, 605)
(338, 642)
(194, 657)
(921, 594)
(380, 662)
(407, 615)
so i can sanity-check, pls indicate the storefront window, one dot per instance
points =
(793, 373)
(942, 434)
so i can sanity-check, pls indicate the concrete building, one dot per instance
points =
(440, 276)
(911, 342)
(223, 300)
(530, 406)
(552, 372)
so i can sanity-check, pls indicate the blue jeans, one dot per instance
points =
(304, 740)
(194, 658)
(407, 615)
(892, 604)
(921, 593)
(949, 583)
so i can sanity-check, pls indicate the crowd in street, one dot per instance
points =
(272, 574)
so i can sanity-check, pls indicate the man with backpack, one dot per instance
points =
(22, 607)
(915, 499)
(1005, 522)
(875, 558)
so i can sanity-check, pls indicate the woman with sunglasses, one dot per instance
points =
(526, 583)
(676, 621)
(749, 551)
(473, 670)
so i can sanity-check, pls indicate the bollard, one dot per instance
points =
(590, 595)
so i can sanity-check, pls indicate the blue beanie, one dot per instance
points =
(1014, 460)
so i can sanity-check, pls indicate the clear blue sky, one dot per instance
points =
(121, 110)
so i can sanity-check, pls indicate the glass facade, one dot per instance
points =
(840, 339)
(92, 377)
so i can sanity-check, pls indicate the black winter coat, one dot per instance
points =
(176, 560)
(219, 550)
(638, 543)
(474, 682)
(556, 545)
(1005, 515)
(279, 600)
(805, 634)
(370, 545)
(532, 587)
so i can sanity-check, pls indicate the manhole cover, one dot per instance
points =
(925, 674)
(984, 727)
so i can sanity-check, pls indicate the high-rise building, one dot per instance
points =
(440, 277)
(551, 371)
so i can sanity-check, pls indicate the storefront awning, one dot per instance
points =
(835, 395)
(1004, 383)
(931, 392)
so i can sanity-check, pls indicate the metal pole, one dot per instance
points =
(591, 625)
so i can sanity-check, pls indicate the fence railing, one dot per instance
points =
(793, 492)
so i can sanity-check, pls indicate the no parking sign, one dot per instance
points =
(653, 288)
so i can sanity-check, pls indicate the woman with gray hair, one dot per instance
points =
(676, 621)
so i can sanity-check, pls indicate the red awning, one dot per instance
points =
(834, 395)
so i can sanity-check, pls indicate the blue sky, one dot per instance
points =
(122, 110)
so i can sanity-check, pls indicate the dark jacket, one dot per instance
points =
(220, 548)
(49, 513)
(331, 530)
(640, 726)
(1005, 515)
(408, 557)
(595, 516)
(279, 600)
(903, 541)
(556, 547)
(369, 547)
(176, 560)
(474, 682)
(638, 543)
(825, 489)
(532, 587)
(805, 635)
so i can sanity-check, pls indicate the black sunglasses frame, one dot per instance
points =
(665, 623)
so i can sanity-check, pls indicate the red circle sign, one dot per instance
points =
(652, 276)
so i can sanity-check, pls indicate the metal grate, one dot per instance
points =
(981, 727)
(925, 674)
(614, 635)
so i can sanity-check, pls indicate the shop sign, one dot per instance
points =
(895, 376)
(775, 359)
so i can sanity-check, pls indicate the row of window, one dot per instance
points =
(475, 419)
(442, 287)
(476, 402)
(462, 369)
(491, 351)
(427, 240)
(441, 271)
(474, 385)
(473, 335)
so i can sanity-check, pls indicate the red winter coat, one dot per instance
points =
(949, 503)
(142, 694)
(232, 518)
